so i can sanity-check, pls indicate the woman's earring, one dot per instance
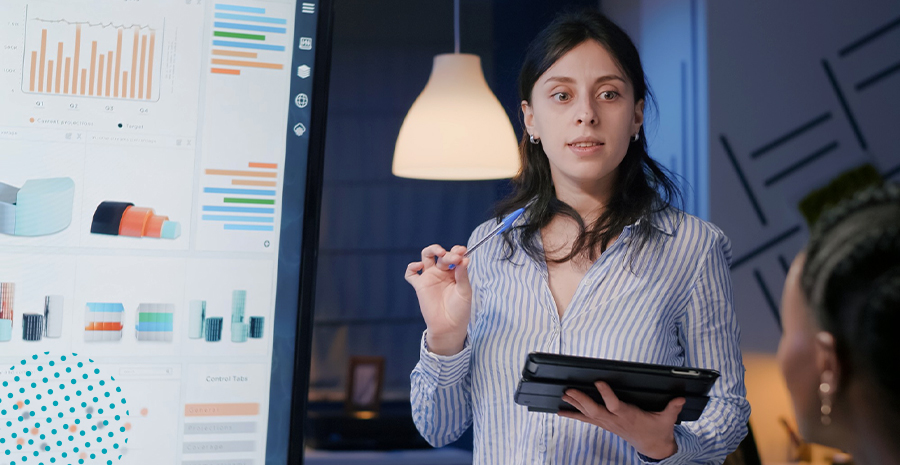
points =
(825, 393)
(635, 137)
(533, 140)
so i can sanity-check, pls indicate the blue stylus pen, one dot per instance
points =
(503, 226)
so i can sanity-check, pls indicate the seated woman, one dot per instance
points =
(841, 314)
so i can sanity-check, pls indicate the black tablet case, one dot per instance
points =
(545, 378)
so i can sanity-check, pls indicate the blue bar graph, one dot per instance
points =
(220, 190)
(154, 326)
(242, 9)
(249, 227)
(249, 27)
(256, 19)
(252, 219)
(214, 208)
(229, 43)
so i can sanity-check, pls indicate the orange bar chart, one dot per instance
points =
(83, 58)
(242, 173)
(251, 64)
(234, 53)
(221, 410)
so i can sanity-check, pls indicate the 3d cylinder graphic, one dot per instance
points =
(239, 330)
(5, 330)
(103, 321)
(53, 316)
(214, 329)
(32, 326)
(238, 304)
(256, 326)
(196, 318)
(7, 293)
(39, 207)
(210, 328)
(125, 219)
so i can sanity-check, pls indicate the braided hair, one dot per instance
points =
(852, 281)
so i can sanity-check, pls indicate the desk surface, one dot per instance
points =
(442, 456)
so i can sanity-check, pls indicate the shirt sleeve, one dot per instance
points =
(441, 394)
(710, 336)
(441, 386)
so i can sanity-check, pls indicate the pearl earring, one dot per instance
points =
(825, 393)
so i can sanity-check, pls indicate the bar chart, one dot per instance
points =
(245, 38)
(248, 204)
(72, 56)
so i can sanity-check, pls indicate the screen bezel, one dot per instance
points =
(312, 202)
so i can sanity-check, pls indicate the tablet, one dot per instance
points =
(545, 377)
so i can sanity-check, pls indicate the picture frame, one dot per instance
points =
(365, 379)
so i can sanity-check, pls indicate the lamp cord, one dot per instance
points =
(456, 25)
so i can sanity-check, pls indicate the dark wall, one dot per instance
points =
(799, 92)
(374, 224)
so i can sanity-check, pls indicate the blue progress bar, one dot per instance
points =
(219, 190)
(249, 227)
(255, 19)
(249, 27)
(212, 208)
(228, 43)
(242, 9)
(252, 219)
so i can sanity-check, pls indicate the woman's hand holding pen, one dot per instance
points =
(650, 433)
(445, 296)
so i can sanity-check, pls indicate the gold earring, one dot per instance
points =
(825, 393)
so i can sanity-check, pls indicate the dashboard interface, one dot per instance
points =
(153, 155)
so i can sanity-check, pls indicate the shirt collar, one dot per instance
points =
(665, 221)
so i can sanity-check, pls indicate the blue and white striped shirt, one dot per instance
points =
(669, 304)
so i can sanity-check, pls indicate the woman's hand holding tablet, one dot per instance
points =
(638, 402)
(650, 433)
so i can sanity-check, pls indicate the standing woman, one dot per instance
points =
(599, 265)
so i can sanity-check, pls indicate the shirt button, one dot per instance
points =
(542, 448)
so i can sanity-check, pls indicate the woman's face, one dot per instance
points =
(797, 352)
(583, 111)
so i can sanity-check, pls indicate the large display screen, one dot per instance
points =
(153, 176)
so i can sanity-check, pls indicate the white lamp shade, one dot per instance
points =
(456, 128)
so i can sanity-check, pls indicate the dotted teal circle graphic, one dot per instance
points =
(60, 409)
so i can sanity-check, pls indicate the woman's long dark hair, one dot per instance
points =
(642, 187)
(851, 280)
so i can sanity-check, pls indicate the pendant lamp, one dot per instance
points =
(456, 128)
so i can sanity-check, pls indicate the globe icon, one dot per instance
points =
(302, 100)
